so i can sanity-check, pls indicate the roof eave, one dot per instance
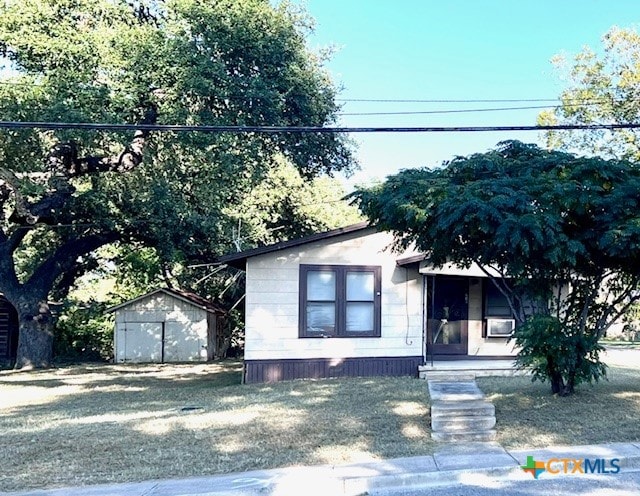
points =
(239, 260)
(168, 292)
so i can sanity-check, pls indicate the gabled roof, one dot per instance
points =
(239, 260)
(185, 296)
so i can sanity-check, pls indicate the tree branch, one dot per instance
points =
(43, 210)
(16, 237)
(606, 324)
(627, 297)
(64, 158)
(64, 259)
(506, 291)
(9, 183)
(9, 283)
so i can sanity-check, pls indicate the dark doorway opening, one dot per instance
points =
(447, 315)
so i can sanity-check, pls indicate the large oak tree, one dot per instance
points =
(66, 193)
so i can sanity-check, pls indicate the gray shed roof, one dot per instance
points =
(186, 296)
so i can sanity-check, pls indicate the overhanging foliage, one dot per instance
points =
(66, 193)
(558, 228)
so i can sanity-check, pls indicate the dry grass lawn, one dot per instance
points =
(114, 423)
(609, 411)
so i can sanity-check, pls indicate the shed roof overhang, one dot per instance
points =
(186, 296)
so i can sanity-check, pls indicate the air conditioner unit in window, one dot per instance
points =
(500, 328)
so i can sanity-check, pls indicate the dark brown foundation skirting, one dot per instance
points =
(316, 368)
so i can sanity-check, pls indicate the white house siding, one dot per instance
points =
(138, 336)
(272, 301)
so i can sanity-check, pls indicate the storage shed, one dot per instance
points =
(166, 325)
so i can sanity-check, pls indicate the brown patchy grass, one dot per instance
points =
(529, 416)
(116, 423)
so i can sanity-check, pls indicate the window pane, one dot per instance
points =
(360, 286)
(321, 285)
(497, 304)
(359, 317)
(321, 317)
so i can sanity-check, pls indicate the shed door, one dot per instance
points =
(139, 342)
(182, 343)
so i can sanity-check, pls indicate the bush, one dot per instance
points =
(84, 332)
(563, 355)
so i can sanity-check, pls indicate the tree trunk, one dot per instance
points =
(35, 339)
(557, 384)
(570, 386)
(555, 377)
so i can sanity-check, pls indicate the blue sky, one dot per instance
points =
(451, 49)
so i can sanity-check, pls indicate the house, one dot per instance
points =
(342, 303)
(167, 325)
(8, 332)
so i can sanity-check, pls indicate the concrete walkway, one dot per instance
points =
(459, 411)
(465, 464)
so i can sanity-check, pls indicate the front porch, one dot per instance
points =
(468, 369)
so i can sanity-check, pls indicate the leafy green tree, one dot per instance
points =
(559, 353)
(562, 232)
(285, 206)
(601, 87)
(84, 331)
(66, 193)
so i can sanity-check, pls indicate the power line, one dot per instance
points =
(462, 111)
(456, 111)
(304, 129)
(570, 102)
(497, 100)
(379, 100)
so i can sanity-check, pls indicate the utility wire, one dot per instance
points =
(497, 100)
(573, 102)
(461, 111)
(452, 111)
(304, 129)
(377, 100)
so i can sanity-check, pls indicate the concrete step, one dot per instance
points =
(464, 437)
(447, 375)
(454, 391)
(471, 423)
(462, 408)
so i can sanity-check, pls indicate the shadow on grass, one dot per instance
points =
(528, 415)
(213, 374)
(126, 423)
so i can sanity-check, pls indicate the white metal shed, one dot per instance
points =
(166, 325)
